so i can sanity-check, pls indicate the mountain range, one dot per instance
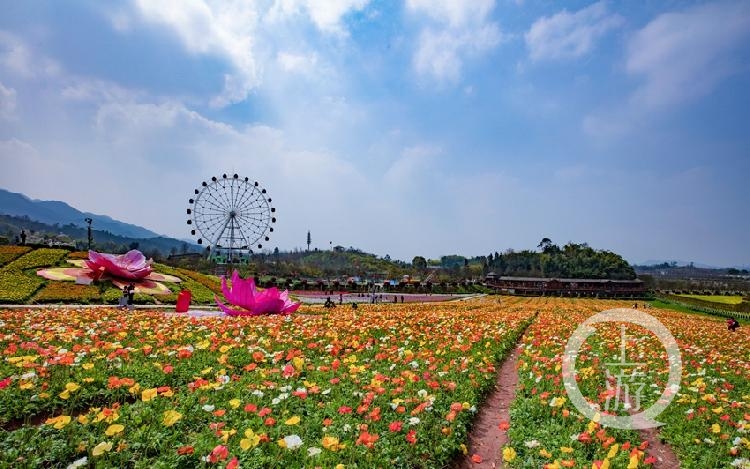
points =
(54, 212)
(679, 263)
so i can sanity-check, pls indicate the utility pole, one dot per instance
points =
(91, 238)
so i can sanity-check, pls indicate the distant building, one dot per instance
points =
(537, 286)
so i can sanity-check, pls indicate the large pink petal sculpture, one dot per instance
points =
(245, 295)
(122, 270)
(131, 265)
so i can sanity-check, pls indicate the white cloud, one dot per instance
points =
(7, 102)
(225, 29)
(455, 13)
(414, 163)
(18, 59)
(568, 35)
(459, 29)
(325, 14)
(93, 90)
(681, 56)
(243, 33)
(117, 117)
(300, 63)
(13, 148)
(440, 53)
(686, 54)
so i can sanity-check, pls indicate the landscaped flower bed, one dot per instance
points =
(42, 257)
(17, 286)
(62, 292)
(9, 253)
(380, 386)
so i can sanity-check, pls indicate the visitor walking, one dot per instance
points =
(124, 298)
(23, 237)
(131, 296)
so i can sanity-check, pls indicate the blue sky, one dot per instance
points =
(422, 127)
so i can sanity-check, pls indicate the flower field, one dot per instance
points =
(374, 387)
(707, 423)
(385, 385)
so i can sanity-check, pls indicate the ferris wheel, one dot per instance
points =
(231, 216)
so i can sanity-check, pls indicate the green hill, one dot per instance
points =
(76, 236)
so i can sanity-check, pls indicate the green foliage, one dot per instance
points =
(111, 296)
(419, 263)
(452, 261)
(572, 261)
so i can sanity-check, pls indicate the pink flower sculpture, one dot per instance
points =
(131, 267)
(253, 302)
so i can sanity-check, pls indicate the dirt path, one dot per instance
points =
(665, 457)
(486, 439)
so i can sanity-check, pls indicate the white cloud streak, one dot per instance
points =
(327, 15)
(680, 56)
(686, 54)
(456, 30)
(7, 102)
(566, 35)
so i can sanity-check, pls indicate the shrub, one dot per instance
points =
(111, 296)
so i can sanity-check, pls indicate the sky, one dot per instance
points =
(415, 127)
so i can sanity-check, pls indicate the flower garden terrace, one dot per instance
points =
(382, 385)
